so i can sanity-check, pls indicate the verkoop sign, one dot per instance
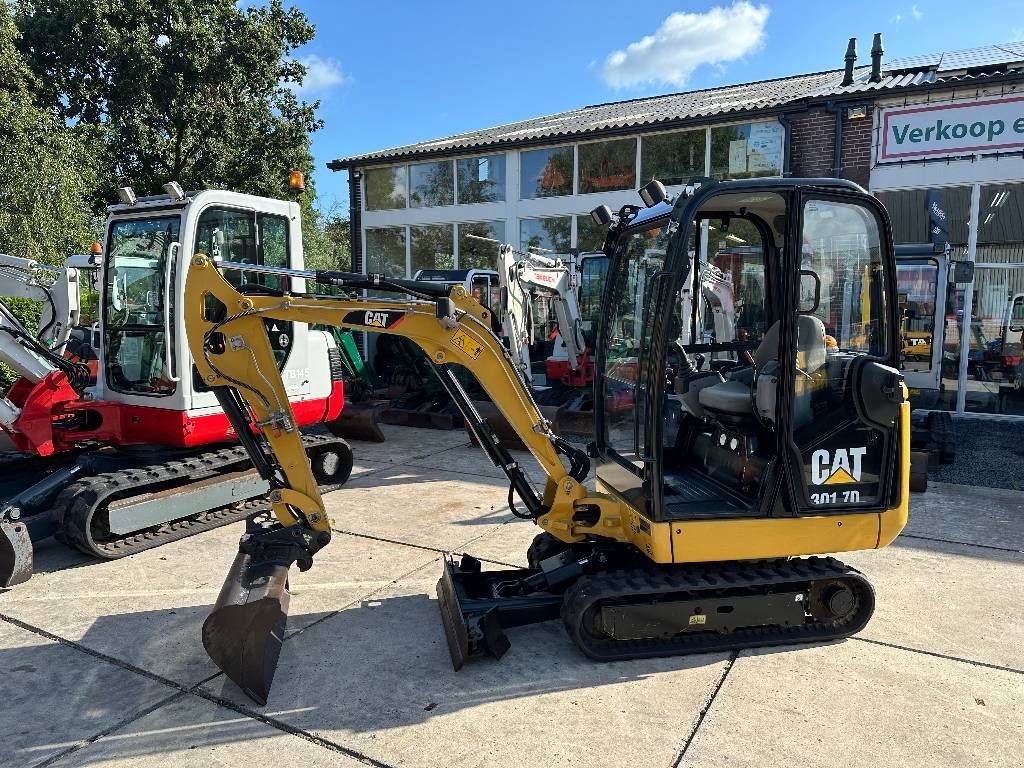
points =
(948, 129)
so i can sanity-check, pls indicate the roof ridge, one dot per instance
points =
(718, 88)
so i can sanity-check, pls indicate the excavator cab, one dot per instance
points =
(752, 327)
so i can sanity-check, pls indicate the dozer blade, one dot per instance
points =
(15, 553)
(359, 421)
(244, 632)
(475, 616)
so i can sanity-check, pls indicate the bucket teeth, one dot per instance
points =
(244, 632)
(15, 553)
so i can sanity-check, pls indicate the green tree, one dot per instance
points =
(325, 239)
(46, 168)
(196, 91)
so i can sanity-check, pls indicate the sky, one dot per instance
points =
(392, 73)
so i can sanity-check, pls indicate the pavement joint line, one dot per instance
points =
(961, 543)
(705, 709)
(438, 550)
(280, 725)
(125, 665)
(197, 691)
(936, 654)
(122, 723)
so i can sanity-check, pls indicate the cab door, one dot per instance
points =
(845, 389)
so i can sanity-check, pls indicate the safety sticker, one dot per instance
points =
(465, 342)
(698, 618)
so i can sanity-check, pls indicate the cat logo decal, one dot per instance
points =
(839, 467)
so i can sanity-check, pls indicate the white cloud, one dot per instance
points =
(684, 42)
(896, 19)
(916, 12)
(322, 74)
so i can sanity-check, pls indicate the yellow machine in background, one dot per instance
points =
(735, 457)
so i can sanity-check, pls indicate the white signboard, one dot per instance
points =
(939, 130)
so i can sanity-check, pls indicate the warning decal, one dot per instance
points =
(465, 342)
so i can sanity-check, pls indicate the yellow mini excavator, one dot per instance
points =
(766, 423)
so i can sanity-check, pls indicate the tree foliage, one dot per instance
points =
(46, 168)
(196, 91)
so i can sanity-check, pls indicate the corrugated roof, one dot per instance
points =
(703, 105)
(985, 56)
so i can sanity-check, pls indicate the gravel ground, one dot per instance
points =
(989, 453)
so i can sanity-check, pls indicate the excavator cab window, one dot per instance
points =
(138, 305)
(250, 237)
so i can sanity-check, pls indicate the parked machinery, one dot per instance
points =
(739, 458)
(142, 454)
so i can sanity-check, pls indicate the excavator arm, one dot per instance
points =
(229, 342)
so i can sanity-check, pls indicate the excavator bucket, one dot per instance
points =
(244, 632)
(15, 553)
(359, 421)
(568, 421)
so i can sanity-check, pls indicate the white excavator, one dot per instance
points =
(526, 279)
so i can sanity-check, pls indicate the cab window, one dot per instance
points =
(245, 237)
(139, 305)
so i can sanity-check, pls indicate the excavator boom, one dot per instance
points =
(233, 356)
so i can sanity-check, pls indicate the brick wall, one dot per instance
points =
(856, 161)
(813, 144)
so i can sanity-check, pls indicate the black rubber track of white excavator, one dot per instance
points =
(77, 505)
(687, 583)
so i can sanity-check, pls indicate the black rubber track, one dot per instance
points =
(77, 505)
(691, 582)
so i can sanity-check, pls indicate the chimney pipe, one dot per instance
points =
(851, 59)
(876, 58)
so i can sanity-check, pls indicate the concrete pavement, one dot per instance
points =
(102, 663)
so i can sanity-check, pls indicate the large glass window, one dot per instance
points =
(746, 151)
(607, 165)
(589, 234)
(385, 188)
(431, 247)
(546, 172)
(672, 158)
(139, 311)
(994, 366)
(481, 179)
(550, 235)
(385, 251)
(431, 184)
(475, 253)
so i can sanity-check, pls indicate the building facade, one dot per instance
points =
(940, 139)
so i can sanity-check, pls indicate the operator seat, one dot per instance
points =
(737, 397)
